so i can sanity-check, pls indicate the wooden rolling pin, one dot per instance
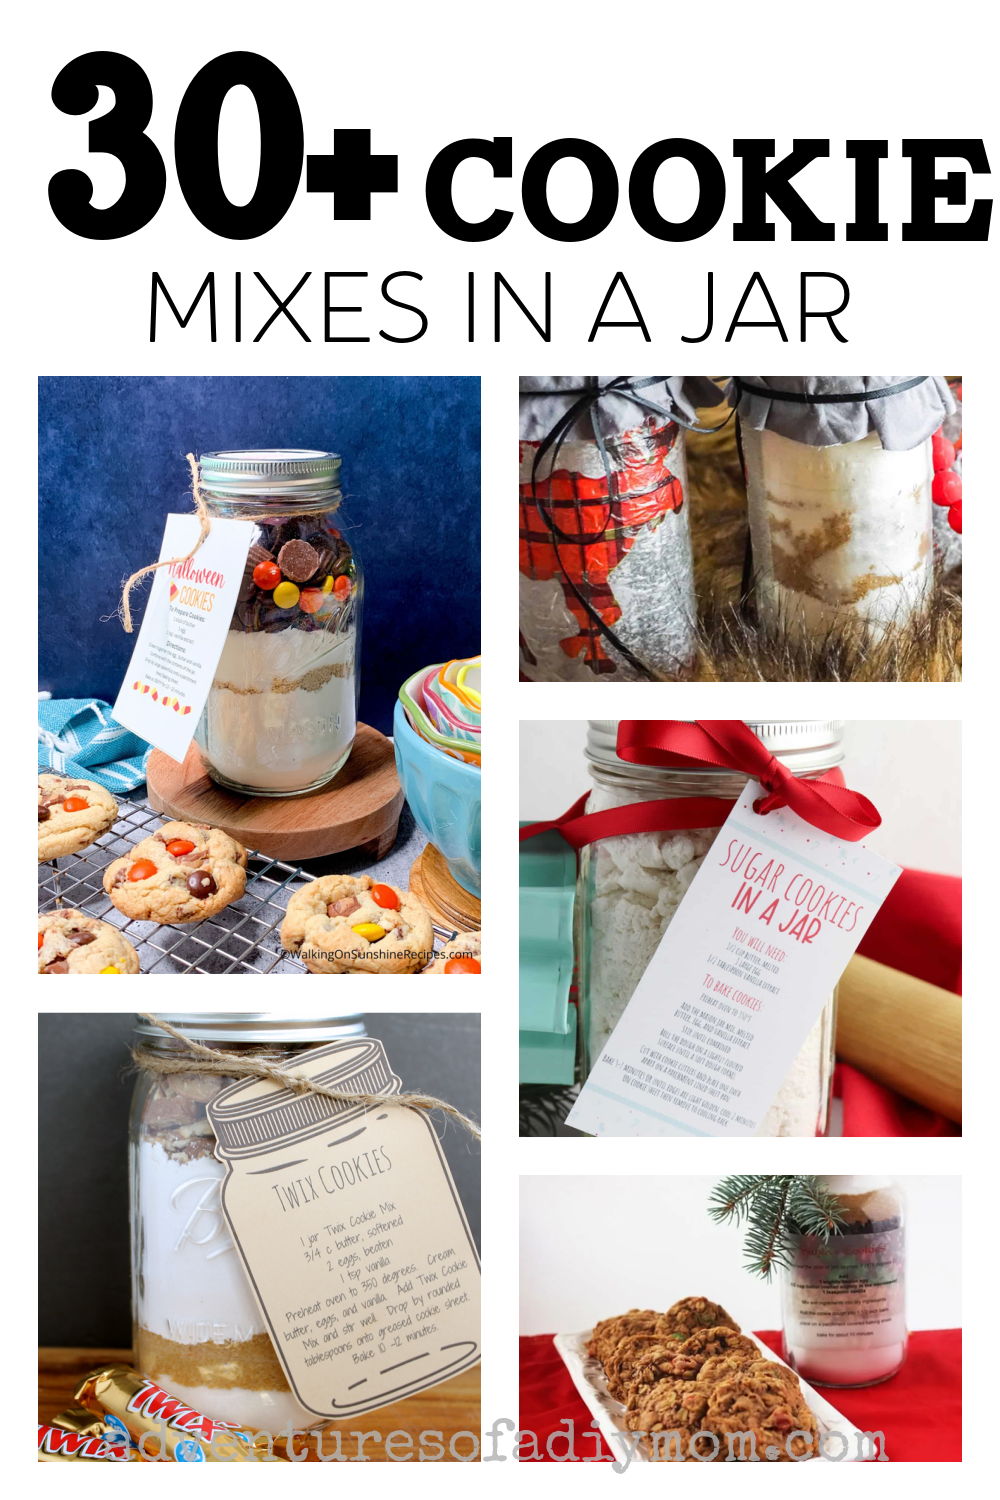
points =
(903, 1032)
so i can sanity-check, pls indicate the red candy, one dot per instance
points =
(463, 966)
(955, 518)
(947, 488)
(142, 870)
(311, 600)
(41, 939)
(385, 896)
(75, 804)
(267, 575)
(943, 450)
(177, 847)
(342, 587)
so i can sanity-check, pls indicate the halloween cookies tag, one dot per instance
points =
(736, 986)
(183, 632)
(351, 1232)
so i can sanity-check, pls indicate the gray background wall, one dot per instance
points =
(83, 1237)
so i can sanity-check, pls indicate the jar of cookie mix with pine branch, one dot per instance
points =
(197, 1329)
(843, 1298)
(631, 887)
(281, 713)
(839, 473)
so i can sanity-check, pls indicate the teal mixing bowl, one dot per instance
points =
(444, 796)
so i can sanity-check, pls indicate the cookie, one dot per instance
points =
(632, 1350)
(70, 942)
(351, 924)
(761, 1401)
(671, 1416)
(703, 1344)
(696, 1312)
(465, 946)
(182, 873)
(65, 830)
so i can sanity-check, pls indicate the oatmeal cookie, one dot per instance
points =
(182, 873)
(695, 1351)
(670, 1416)
(620, 1364)
(761, 1401)
(692, 1313)
(70, 942)
(609, 1331)
(351, 924)
(464, 945)
(71, 814)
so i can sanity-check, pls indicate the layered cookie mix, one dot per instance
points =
(198, 1330)
(347, 924)
(463, 955)
(71, 814)
(70, 942)
(182, 873)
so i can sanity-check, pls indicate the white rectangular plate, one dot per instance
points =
(588, 1377)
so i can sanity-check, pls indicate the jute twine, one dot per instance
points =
(236, 1065)
(168, 562)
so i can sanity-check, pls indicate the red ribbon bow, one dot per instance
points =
(729, 745)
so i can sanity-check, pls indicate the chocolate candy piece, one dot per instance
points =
(142, 1407)
(298, 561)
(79, 937)
(201, 884)
(344, 907)
(58, 966)
(258, 555)
(43, 815)
(55, 1444)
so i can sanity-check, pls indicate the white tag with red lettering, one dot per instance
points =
(736, 986)
(183, 632)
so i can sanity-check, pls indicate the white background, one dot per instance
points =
(590, 1249)
(421, 76)
(893, 762)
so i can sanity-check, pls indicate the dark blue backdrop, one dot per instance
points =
(111, 465)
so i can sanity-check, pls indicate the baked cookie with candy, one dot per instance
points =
(70, 942)
(182, 873)
(351, 924)
(71, 814)
(761, 1401)
(463, 955)
(692, 1313)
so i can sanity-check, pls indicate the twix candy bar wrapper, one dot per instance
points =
(57, 1445)
(144, 1410)
(79, 1419)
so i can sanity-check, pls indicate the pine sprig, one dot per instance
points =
(777, 1210)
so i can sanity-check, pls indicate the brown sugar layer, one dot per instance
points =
(250, 1365)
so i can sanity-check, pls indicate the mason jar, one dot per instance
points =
(843, 1303)
(197, 1329)
(839, 532)
(631, 886)
(281, 713)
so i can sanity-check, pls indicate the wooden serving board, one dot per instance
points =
(447, 1409)
(358, 809)
(449, 904)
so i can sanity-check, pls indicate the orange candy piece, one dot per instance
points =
(41, 939)
(311, 600)
(385, 896)
(342, 587)
(142, 869)
(177, 847)
(463, 966)
(75, 804)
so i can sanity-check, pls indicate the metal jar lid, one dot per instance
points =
(255, 1026)
(805, 746)
(256, 473)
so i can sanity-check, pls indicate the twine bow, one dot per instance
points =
(728, 745)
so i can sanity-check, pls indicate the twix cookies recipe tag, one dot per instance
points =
(183, 632)
(741, 974)
(351, 1233)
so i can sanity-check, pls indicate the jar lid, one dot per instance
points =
(803, 745)
(255, 1026)
(251, 473)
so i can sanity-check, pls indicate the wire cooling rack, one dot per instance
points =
(241, 939)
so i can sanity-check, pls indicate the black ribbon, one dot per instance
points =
(587, 404)
(841, 398)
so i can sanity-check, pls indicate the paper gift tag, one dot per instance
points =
(183, 632)
(762, 935)
(351, 1233)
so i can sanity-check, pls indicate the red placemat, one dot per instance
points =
(919, 1411)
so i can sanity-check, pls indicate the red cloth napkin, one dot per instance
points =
(919, 1411)
(918, 931)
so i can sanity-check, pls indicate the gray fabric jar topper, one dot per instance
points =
(902, 419)
(546, 398)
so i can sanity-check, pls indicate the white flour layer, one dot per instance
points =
(639, 881)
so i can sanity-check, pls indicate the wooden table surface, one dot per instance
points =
(446, 1409)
